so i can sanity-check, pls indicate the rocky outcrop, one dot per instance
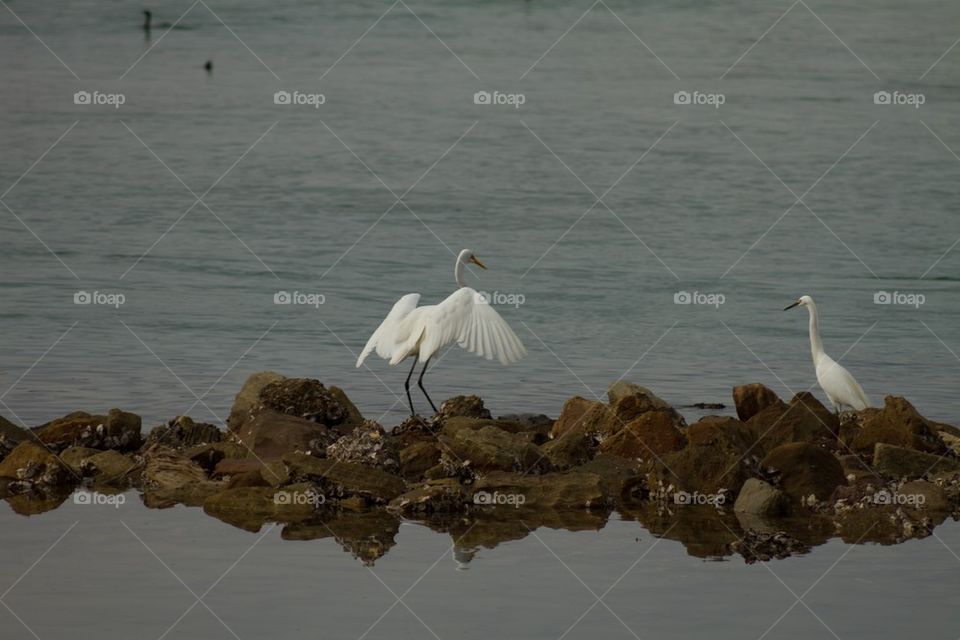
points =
(117, 430)
(898, 424)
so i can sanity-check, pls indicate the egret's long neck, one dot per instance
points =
(816, 346)
(458, 273)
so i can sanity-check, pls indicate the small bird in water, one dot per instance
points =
(209, 66)
(841, 387)
(465, 318)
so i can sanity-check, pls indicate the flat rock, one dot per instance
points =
(898, 462)
(491, 448)
(339, 479)
(272, 435)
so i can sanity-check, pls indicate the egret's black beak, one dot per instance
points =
(792, 306)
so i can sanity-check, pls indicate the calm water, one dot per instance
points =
(297, 198)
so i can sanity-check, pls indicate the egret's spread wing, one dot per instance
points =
(385, 338)
(467, 318)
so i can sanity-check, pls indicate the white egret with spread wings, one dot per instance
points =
(465, 318)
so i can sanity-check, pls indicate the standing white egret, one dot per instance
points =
(465, 318)
(841, 387)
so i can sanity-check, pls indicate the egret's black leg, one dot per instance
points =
(420, 384)
(406, 385)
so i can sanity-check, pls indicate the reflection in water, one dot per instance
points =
(704, 531)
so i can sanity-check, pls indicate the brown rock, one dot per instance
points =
(309, 399)
(715, 458)
(367, 444)
(417, 458)
(270, 435)
(804, 419)
(574, 447)
(572, 415)
(760, 498)
(805, 469)
(117, 430)
(463, 406)
(652, 435)
(30, 461)
(111, 467)
(170, 479)
(751, 399)
(183, 432)
(898, 424)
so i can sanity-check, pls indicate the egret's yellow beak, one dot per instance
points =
(792, 306)
(474, 260)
